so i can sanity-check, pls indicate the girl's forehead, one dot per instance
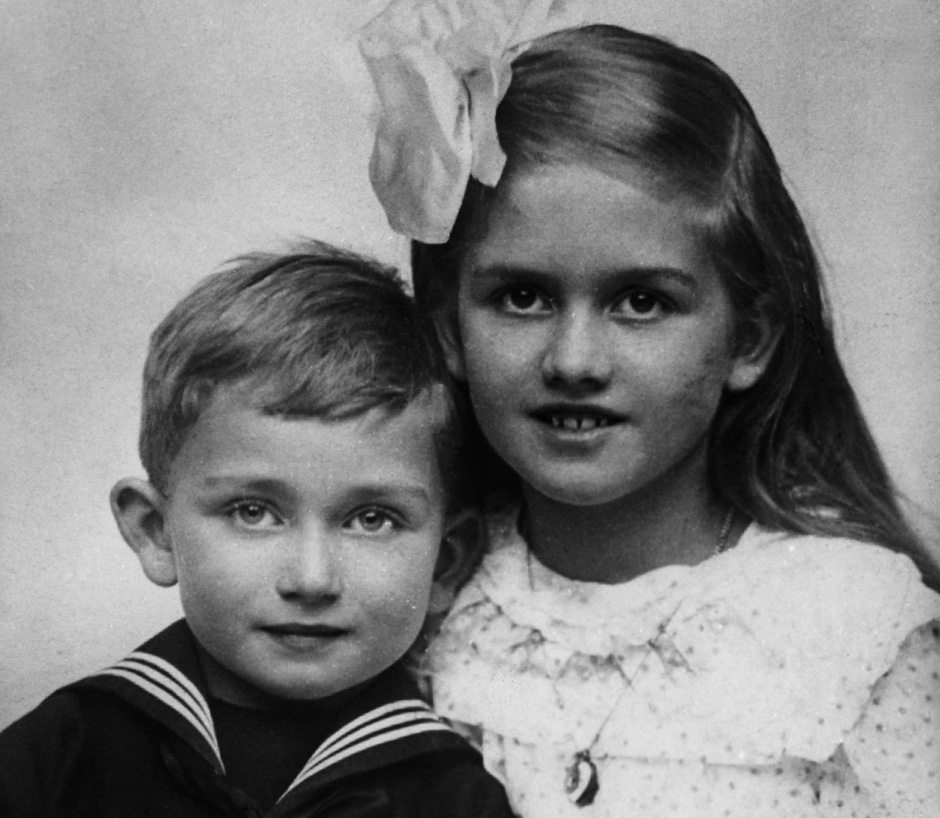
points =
(574, 214)
(660, 182)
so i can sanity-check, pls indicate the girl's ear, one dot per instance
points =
(139, 510)
(462, 549)
(755, 346)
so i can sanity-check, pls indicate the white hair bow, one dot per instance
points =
(440, 68)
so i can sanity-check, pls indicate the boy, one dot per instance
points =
(299, 444)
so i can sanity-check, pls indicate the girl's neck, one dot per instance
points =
(618, 541)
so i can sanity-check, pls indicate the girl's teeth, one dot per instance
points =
(577, 423)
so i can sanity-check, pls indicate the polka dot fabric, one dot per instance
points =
(791, 676)
(896, 743)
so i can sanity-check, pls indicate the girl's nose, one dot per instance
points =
(577, 353)
(310, 569)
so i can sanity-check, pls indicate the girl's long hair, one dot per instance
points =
(793, 452)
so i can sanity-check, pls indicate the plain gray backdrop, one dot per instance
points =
(142, 143)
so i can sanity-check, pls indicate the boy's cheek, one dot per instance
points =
(403, 609)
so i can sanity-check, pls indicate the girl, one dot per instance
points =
(700, 598)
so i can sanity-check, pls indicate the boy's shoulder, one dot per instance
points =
(160, 688)
(80, 751)
(144, 725)
(126, 740)
(156, 689)
(56, 721)
(84, 703)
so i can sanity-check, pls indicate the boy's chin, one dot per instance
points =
(240, 689)
(276, 697)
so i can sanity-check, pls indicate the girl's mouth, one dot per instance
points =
(577, 423)
(576, 418)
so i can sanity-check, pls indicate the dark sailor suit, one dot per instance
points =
(138, 739)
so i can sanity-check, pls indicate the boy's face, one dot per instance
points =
(305, 549)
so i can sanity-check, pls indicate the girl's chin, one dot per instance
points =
(578, 493)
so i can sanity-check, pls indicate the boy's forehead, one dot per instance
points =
(432, 404)
(268, 397)
(235, 437)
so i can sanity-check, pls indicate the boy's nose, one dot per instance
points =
(310, 568)
(577, 353)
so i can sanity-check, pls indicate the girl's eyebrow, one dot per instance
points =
(638, 273)
(675, 275)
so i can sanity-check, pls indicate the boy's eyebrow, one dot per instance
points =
(414, 490)
(376, 489)
(243, 482)
(640, 272)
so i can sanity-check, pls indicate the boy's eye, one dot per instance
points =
(641, 305)
(372, 521)
(251, 514)
(523, 301)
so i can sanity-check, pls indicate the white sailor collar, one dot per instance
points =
(387, 722)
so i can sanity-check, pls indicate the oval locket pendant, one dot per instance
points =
(581, 782)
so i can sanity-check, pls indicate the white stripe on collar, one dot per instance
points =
(382, 725)
(170, 686)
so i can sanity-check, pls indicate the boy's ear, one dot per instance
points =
(757, 340)
(462, 549)
(448, 330)
(139, 510)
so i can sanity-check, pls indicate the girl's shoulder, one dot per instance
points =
(796, 628)
(781, 584)
(832, 613)
(829, 586)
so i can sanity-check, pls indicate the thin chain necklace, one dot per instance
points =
(582, 781)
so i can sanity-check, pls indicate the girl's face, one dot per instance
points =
(595, 337)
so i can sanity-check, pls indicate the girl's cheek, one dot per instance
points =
(702, 390)
(491, 361)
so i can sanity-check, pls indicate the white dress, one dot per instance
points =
(754, 684)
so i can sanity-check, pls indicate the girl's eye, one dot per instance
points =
(250, 514)
(523, 301)
(642, 305)
(372, 521)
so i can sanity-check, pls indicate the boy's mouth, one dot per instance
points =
(303, 630)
